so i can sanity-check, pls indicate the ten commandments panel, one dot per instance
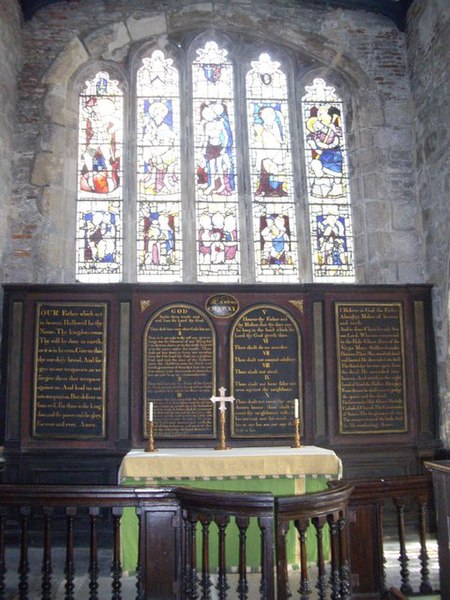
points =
(179, 372)
(265, 372)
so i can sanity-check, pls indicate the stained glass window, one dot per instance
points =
(274, 229)
(159, 241)
(327, 181)
(99, 242)
(185, 218)
(216, 193)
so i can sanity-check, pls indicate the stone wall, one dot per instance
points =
(429, 60)
(387, 121)
(363, 49)
(11, 57)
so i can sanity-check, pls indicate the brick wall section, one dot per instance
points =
(429, 60)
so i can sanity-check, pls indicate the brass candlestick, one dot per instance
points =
(296, 443)
(151, 440)
(222, 444)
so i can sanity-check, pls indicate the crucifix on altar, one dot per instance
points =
(222, 399)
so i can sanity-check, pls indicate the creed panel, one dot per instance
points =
(179, 372)
(371, 368)
(265, 372)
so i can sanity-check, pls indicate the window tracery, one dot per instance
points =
(217, 174)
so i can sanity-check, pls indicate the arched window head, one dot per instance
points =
(159, 240)
(100, 188)
(327, 181)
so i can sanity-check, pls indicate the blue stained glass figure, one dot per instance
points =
(269, 143)
(159, 238)
(331, 239)
(324, 138)
(100, 235)
(101, 86)
(275, 239)
(159, 152)
(217, 174)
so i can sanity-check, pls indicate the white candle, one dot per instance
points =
(150, 411)
(296, 408)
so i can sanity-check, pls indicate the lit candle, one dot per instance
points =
(150, 411)
(296, 408)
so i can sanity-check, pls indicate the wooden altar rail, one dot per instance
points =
(168, 518)
(372, 505)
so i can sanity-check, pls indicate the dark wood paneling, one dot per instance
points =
(312, 311)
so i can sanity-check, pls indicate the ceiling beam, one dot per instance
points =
(396, 10)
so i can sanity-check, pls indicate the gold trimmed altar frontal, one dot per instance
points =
(206, 463)
(279, 470)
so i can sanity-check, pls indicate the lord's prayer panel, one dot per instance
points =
(70, 370)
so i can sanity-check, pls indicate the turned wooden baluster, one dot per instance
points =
(46, 587)
(403, 557)
(305, 588)
(2, 551)
(222, 586)
(205, 581)
(344, 568)
(69, 568)
(185, 556)
(263, 583)
(425, 584)
(192, 557)
(116, 566)
(321, 585)
(242, 586)
(335, 577)
(266, 527)
(24, 567)
(93, 554)
(283, 590)
(138, 584)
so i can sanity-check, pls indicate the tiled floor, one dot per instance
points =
(128, 583)
(392, 565)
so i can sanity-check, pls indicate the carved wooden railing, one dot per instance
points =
(23, 508)
(329, 512)
(176, 527)
(168, 522)
(411, 498)
(201, 507)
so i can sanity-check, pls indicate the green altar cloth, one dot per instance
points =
(281, 471)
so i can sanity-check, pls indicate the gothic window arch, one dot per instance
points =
(218, 187)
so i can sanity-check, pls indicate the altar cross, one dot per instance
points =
(222, 399)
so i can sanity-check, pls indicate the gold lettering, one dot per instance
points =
(70, 371)
(371, 368)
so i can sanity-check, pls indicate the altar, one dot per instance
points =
(279, 470)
